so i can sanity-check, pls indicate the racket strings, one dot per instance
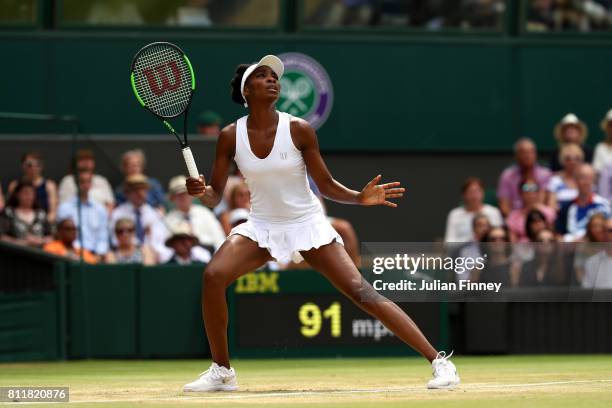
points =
(169, 100)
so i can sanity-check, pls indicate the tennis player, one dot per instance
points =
(274, 151)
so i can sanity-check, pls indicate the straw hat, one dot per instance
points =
(182, 230)
(571, 119)
(136, 181)
(605, 120)
(177, 185)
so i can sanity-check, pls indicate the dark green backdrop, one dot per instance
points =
(392, 93)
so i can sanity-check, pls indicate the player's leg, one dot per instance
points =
(335, 264)
(349, 236)
(236, 257)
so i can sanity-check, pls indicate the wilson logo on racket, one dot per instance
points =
(160, 73)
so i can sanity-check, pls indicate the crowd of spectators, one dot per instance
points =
(569, 15)
(553, 224)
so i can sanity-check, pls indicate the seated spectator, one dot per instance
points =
(526, 167)
(202, 221)
(185, 247)
(603, 151)
(480, 227)
(459, 220)
(534, 223)
(133, 163)
(114, 12)
(598, 268)
(22, 221)
(570, 129)
(589, 244)
(238, 216)
(1, 198)
(532, 200)
(65, 245)
(499, 266)
(605, 182)
(128, 250)
(101, 191)
(209, 124)
(194, 13)
(234, 178)
(149, 224)
(561, 189)
(540, 16)
(46, 190)
(239, 197)
(586, 204)
(546, 268)
(93, 217)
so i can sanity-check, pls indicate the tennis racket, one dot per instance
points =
(163, 82)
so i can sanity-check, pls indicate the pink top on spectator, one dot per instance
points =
(508, 186)
(516, 221)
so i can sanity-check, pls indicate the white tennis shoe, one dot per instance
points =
(444, 372)
(216, 378)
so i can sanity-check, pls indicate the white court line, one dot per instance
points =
(238, 396)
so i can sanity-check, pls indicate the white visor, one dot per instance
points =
(271, 61)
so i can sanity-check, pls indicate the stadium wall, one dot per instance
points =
(411, 93)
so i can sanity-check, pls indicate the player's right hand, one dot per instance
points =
(196, 187)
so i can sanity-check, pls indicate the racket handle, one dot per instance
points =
(190, 162)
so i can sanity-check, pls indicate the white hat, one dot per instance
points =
(239, 214)
(182, 230)
(605, 120)
(571, 119)
(271, 61)
(177, 185)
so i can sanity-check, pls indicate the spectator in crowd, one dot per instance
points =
(22, 221)
(93, 217)
(586, 204)
(605, 182)
(590, 244)
(234, 178)
(534, 223)
(185, 248)
(540, 16)
(570, 129)
(128, 249)
(46, 190)
(499, 266)
(526, 168)
(238, 216)
(1, 198)
(133, 163)
(239, 197)
(459, 221)
(148, 222)
(101, 191)
(603, 151)
(202, 221)
(532, 200)
(480, 227)
(561, 189)
(598, 268)
(209, 124)
(194, 13)
(546, 266)
(64, 243)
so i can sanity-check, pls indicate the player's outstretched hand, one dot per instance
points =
(196, 186)
(379, 194)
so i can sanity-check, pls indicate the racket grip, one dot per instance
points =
(190, 162)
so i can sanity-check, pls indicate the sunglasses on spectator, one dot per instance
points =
(497, 238)
(530, 188)
(31, 163)
(574, 158)
(124, 231)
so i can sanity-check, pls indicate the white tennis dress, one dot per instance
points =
(286, 217)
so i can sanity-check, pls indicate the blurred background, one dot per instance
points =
(476, 106)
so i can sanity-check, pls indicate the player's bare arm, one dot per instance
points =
(210, 195)
(373, 193)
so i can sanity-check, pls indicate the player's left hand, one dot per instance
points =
(375, 194)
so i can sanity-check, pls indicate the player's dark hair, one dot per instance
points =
(235, 84)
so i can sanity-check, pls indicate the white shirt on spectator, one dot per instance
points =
(101, 190)
(564, 194)
(459, 223)
(598, 271)
(94, 228)
(602, 156)
(203, 222)
(152, 222)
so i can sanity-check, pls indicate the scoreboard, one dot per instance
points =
(298, 313)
